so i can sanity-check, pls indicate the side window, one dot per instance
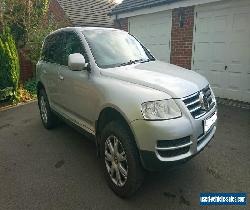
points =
(58, 49)
(52, 49)
(46, 49)
(43, 53)
(72, 45)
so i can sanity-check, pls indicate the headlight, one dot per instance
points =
(160, 110)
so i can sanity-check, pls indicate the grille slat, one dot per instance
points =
(208, 93)
(191, 98)
(199, 115)
(194, 103)
(195, 109)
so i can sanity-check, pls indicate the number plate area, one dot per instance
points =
(209, 122)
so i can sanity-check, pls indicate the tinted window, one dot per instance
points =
(72, 45)
(46, 46)
(52, 51)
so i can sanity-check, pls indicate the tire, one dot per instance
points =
(47, 116)
(126, 162)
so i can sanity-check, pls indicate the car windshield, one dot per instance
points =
(112, 48)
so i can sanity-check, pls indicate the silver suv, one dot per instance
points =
(142, 113)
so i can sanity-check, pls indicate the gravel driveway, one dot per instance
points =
(58, 169)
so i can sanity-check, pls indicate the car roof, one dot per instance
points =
(81, 29)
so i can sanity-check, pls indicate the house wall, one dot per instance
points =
(56, 12)
(182, 37)
(26, 67)
(122, 24)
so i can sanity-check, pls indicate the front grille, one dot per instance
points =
(172, 148)
(195, 105)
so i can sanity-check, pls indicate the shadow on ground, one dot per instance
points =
(58, 169)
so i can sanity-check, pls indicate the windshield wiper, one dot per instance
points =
(134, 62)
(144, 61)
(127, 63)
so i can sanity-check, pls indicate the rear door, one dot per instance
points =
(51, 60)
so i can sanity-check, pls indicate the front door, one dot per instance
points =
(76, 87)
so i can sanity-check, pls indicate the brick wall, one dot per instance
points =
(56, 12)
(182, 37)
(26, 67)
(122, 24)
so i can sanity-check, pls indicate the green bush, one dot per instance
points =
(6, 93)
(9, 65)
(30, 86)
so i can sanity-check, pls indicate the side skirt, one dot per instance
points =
(76, 127)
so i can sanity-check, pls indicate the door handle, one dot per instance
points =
(61, 77)
(225, 68)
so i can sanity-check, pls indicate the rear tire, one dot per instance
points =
(121, 165)
(47, 116)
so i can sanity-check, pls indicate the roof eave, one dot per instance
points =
(126, 10)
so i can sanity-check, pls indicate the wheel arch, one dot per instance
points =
(39, 87)
(107, 115)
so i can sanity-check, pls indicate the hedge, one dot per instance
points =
(9, 65)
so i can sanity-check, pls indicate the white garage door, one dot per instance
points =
(221, 49)
(154, 31)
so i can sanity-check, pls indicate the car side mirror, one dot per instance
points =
(76, 62)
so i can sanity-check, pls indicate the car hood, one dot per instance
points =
(174, 80)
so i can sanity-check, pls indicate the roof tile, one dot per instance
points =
(131, 5)
(88, 12)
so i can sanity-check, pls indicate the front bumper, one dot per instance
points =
(167, 142)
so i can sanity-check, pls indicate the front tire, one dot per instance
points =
(47, 116)
(120, 159)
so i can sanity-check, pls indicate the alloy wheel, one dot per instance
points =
(116, 161)
(43, 109)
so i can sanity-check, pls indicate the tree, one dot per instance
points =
(23, 16)
(9, 65)
(23, 24)
(29, 24)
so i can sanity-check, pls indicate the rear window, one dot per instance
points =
(52, 49)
